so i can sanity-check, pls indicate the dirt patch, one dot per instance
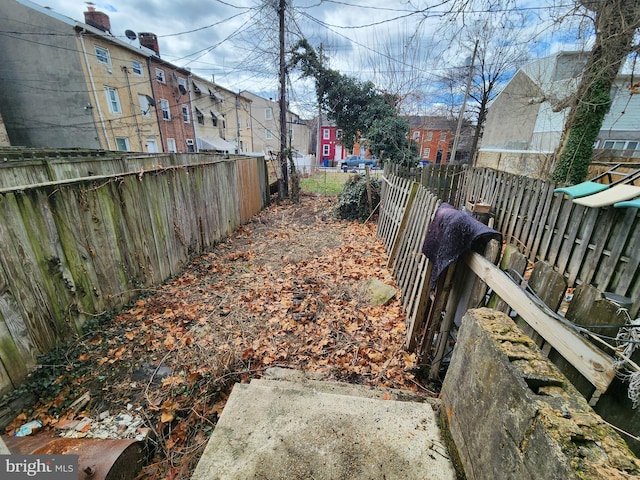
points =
(286, 289)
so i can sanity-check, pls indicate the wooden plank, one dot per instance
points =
(579, 253)
(514, 260)
(540, 221)
(561, 227)
(550, 226)
(403, 223)
(631, 269)
(597, 245)
(570, 242)
(619, 237)
(594, 364)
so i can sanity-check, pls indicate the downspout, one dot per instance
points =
(237, 123)
(196, 149)
(155, 99)
(95, 92)
(133, 107)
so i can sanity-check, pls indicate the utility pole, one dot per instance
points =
(319, 129)
(464, 105)
(283, 190)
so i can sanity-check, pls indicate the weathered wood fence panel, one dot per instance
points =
(586, 245)
(33, 166)
(81, 247)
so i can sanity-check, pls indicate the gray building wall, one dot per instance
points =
(511, 119)
(44, 92)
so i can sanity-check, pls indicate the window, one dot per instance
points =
(185, 114)
(190, 146)
(248, 123)
(113, 100)
(268, 135)
(171, 145)
(102, 54)
(268, 113)
(429, 136)
(137, 68)
(182, 86)
(160, 76)
(214, 119)
(325, 150)
(166, 112)
(426, 152)
(200, 117)
(326, 134)
(443, 136)
(145, 106)
(290, 133)
(122, 144)
(416, 135)
(339, 134)
(152, 145)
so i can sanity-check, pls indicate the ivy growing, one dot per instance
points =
(353, 201)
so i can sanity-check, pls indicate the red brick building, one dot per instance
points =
(332, 151)
(434, 137)
(172, 102)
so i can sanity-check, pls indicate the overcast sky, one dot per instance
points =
(393, 42)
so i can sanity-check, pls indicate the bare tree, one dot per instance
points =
(616, 24)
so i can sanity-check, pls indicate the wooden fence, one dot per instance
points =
(597, 246)
(570, 245)
(81, 247)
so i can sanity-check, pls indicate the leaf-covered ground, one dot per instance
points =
(287, 289)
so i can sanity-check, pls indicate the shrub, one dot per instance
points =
(353, 202)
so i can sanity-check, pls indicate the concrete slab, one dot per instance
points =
(278, 429)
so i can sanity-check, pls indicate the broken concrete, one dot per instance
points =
(513, 415)
(292, 425)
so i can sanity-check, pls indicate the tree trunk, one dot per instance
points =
(616, 24)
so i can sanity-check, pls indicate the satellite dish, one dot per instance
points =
(130, 34)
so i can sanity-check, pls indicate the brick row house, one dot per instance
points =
(434, 137)
(71, 84)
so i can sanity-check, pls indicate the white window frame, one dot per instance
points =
(183, 82)
(268, 134)
(200, 117)
(443, 136)
(185, 114)
(190, 145)
(160, 76)
(113, 99)
(429, 136)
(122, 141)
(145, 106)
(339, 134)
(137, 68)
(268, 113)
(416, 136)
(171, 145)
(166, 109)
(426, 152)
(326, 150)
(102, 54)
(326, 134)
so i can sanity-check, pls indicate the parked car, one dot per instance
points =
(353, 161)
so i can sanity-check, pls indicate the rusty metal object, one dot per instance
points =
(98, 459)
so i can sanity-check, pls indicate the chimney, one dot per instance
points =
(97, 19)
(149, 40)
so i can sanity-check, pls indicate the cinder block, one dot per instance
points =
(513, 415)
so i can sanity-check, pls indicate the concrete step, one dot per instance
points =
(292, 425)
